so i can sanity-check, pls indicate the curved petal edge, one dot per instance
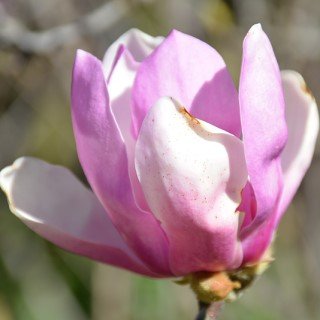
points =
(192, 72)
(103, 156)
(53, 203)
(192, 174)
(262, 110)
(139, 44)
(302, 118)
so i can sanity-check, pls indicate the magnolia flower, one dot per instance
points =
(187, 173)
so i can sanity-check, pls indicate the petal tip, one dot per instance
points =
(255, 28)
(81, 54)
(83, 59)
(174, 33)
(136, 31)
(6, 174)
(8, 177)
(255, 32)
(294, 77)
(169, 102)
(5, 177)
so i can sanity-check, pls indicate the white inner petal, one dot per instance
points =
(139, 44)
(186, 164)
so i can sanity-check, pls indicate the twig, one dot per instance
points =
(209, 311)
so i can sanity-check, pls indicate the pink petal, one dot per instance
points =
(195, 74)
(192, 174)
(248, 205)
(119, 87)
(138, 43)
(303, 127)
(53, 203)
(264, 136)
(103, 157)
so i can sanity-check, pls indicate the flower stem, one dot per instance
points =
(209, 311)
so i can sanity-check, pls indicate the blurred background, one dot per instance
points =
(38, 40)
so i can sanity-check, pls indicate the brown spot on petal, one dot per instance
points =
(306, 90)
(188, 115)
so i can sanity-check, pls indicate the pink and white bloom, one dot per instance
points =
(187, 173)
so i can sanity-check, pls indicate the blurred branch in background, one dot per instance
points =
(38, 40)
(14, 32)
